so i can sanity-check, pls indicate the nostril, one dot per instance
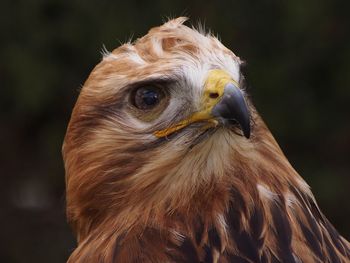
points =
(213, 95)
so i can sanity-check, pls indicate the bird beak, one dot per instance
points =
(233, 108)
(222, 101)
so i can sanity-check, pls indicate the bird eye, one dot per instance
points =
(148, 102)
(146, 98)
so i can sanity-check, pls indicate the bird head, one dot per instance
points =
(167, 159)
(158, 123)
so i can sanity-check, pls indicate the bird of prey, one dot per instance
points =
(167, 160)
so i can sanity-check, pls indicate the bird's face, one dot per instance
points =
(156, 120)
(172, 108)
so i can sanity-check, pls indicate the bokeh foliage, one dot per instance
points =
(298, 63)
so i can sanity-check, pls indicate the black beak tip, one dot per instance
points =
(246, 131)
(234, 107)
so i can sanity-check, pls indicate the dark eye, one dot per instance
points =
(146, 98)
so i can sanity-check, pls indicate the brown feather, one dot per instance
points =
(132, 197)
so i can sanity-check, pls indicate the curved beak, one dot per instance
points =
(233, 108)
(222, 101)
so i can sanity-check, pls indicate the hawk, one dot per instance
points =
(167, 160)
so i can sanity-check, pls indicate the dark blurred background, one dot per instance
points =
(298, 55)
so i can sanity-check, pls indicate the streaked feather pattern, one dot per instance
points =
(132, 197)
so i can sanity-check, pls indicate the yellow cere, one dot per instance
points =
(214, 87)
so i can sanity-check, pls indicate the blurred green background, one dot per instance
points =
(298, 55)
